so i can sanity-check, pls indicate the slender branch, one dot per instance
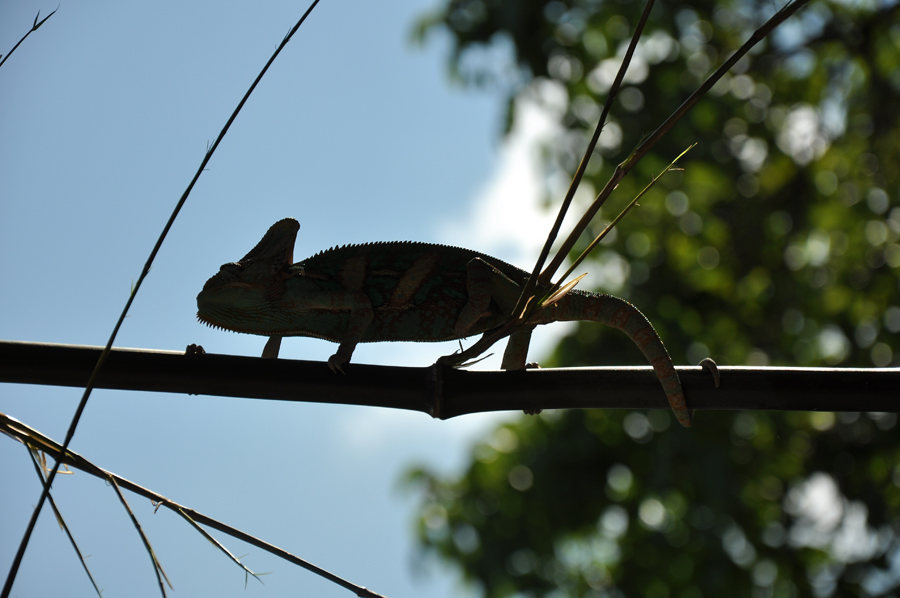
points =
(520, 315)
(445, 392)
(14, 568)
(157, 566)
(533, 280)
(37, 441)
(615, 221)
(40, 465)
(34, 27)
(218, 545)
(622, 169)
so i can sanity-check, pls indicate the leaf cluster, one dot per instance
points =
(778, 244)
(594, 503)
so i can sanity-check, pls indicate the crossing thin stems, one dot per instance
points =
(14, 568)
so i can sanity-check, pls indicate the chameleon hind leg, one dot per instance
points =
(484, 285)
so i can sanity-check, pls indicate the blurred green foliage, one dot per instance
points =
(778, 244)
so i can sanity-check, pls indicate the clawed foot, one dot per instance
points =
(335, 363)
(712, 368)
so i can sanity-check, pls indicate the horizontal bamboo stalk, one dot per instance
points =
(443, 392)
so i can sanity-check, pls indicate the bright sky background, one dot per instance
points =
(105, 113)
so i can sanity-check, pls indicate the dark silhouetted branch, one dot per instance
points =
(38, 442)
(34, 27)
(444, 392)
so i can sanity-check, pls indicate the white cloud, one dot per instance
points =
(506, 218)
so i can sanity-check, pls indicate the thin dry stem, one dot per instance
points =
(39, 461)
(635, 157)
(14, 568)
(533, 280)
(519, 318)
(217, 544)
(157, 566)
(621, 215)
(34, 27)
(32, 438)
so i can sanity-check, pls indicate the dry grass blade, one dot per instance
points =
(27, 435)
(645, 146)
(520, 315)
(562, 291)
(621, 215)
(17, 560)
(40, 465)
(34, 27)
(219, 545)
(534, 279)
(160, 573)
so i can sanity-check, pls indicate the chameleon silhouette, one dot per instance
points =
(400, 291)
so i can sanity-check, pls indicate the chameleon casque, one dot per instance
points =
(400, 291)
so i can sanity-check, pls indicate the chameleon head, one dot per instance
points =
(239, 297)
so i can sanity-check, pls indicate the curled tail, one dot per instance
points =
(620, 314)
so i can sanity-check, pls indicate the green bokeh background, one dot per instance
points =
(779, 244)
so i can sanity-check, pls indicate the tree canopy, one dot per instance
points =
(779, 244)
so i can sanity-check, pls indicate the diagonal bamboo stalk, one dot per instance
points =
(38, 441)
(534, 279)
(526, 303)
(20, 553)
(445, 392)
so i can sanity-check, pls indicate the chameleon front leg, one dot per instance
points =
(273, 346)
(361, 315)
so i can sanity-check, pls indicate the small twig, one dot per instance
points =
(623, 168)
(33, 439)
(157, 566)
(616, 220)
(40, 465)
(520, 315)
(14, 568)
(217, 544)
(534, 279)
(34, 27)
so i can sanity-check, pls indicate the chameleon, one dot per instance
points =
(401, 291)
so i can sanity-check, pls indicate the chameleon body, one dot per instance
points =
(400, 291)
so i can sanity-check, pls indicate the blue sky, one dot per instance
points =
(105, 114)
